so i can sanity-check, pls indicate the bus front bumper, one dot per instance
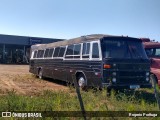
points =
(124, 86)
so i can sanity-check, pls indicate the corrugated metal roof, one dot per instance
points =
(23, 40)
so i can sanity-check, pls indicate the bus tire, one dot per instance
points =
(82, 82)
(108, 91)
(40, 74)
(154, 77)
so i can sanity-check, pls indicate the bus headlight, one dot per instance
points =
(114, 65)
(147, 73)
(114, 73)
(147, 79)
(114, 80)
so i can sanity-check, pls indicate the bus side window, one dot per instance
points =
(46, 53)
(69, 53)
(38, 54)
(95, 51)
(35, 54)
(77, 49)
(86, 50)
(42, 54)
(56, 52)
(50, 52)
(61, 52)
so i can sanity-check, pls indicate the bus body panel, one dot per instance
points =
(65, 70)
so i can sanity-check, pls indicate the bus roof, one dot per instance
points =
(92, 37)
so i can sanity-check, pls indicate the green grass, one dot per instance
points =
(141, 100)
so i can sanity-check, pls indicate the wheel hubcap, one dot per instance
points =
(81, 82)
(40, 74)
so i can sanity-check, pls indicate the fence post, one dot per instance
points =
(79, 97)
(153, 81)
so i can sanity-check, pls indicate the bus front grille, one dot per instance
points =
(131, 77)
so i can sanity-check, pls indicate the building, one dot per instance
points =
(16, 49)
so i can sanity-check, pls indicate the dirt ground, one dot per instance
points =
(18, 79)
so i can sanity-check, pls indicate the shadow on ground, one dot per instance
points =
(59, 82)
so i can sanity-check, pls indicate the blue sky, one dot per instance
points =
(73, 18)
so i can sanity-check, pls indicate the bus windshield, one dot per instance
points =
(126, 49)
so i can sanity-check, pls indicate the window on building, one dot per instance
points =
(95, 51)
(86, 50)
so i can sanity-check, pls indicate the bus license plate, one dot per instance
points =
(134, 86)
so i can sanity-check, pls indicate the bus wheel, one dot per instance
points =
(108, 91)
(82, 82)
(155, 78)
(40, 74)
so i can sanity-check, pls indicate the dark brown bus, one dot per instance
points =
(94, 60)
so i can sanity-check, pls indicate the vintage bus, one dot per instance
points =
(152, 49)
(94, 60)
